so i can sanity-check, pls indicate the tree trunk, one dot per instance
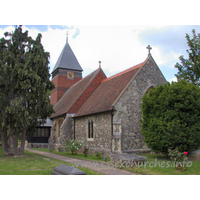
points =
(4, 139)
(23, 138)
(12, 149)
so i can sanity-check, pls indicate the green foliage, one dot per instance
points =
(179, 158)
(176, 155)
(59, 147)
(189, 69)
(73, 146)
(85, 151)
(171, 117)
(99, 154)
(24, 82)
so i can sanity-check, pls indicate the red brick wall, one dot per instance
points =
(61, 85)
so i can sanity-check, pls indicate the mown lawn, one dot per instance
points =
(32, 164)
(162, 165)
(155, 168)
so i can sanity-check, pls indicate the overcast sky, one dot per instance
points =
(117, 47)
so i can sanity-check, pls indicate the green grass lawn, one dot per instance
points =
(32, 164)
(166, 168)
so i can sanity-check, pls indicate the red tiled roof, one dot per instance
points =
(76, 95)
(108, 91)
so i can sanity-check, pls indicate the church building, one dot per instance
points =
(102, 112)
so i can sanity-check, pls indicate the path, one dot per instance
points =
(96, 166)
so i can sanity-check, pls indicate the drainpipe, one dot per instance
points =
(111, 127)
(111, 122)
(74, 128)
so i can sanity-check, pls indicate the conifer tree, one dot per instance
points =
(171, 117)
(189, 69)
(24, 86)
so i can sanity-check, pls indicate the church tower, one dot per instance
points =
(66, 73)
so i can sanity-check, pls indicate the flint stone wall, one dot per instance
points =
(67, 130)
(62, 130)
(53, 136)
(128, 112)
(102, 139)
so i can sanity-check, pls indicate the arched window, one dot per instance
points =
(147, 91)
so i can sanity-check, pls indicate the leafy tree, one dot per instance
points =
(24, 86)
(171, 117)
(189, 69)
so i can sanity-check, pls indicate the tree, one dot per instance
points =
(189, 69)
(171, 117)
(24, 86)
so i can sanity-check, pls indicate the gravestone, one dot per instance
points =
(194, 155)
(67, 170)
(127, 157)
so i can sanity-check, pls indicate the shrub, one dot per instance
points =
(85, 151)
(99, 154)
(73, 146)
(59, 147)
(171, 117)
(178, 157)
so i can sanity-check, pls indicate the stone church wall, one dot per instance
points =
(61, 130)
(67, 129)
(53, 137)
(102, 139)
(128, 111)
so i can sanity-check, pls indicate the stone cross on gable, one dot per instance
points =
(149, 48)
(67, 36)
(99, 64)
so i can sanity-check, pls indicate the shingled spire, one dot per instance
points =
(67, 72)
(67, 60)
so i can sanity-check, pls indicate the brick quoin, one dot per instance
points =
(62, 84)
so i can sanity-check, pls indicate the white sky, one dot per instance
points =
(118, 47)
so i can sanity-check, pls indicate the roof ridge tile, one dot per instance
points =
(123, 72)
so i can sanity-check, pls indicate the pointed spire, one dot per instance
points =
(67, 59)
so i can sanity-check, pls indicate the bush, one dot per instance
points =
(178, 157)
(59, 147)
(85, 152)
(73, 146)
(171, 117)
(99, 154)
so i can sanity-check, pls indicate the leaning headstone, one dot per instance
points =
(67, 170)
(104, 158)
(194, 155)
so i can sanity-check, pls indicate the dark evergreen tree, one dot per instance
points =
(189, 69)
(24, 88)
(171, 117)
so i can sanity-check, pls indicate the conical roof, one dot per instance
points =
(67, 60)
